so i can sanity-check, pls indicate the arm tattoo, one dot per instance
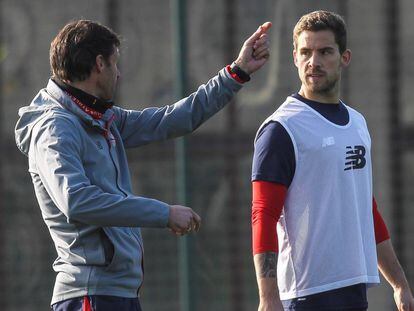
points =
(267, 265)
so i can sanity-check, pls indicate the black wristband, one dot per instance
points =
(243, 75)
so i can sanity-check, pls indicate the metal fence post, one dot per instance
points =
(179, 37)
(394, 101)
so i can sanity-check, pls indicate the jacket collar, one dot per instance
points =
(75, 106)
(92, 102)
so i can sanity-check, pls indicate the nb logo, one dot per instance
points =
(328, 141)
(355, 158)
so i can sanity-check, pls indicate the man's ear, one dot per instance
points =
(294, 58)
(346, 58)
(99, 63)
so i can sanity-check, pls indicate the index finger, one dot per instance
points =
(265, 27)
(261, 30)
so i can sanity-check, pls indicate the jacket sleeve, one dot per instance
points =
(186, 115)
(57, 150)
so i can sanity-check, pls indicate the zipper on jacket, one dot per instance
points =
(108, 140)
(116, 173)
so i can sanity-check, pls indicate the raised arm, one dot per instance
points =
(186, 115)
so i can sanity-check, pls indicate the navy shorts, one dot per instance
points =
(350, 298)
(98, 303)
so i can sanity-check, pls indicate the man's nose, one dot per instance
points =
(314, 60)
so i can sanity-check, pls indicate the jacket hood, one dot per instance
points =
(29, 116)
(51, 98)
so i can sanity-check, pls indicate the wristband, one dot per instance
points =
(244, 76)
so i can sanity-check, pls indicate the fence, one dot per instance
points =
(378, 83)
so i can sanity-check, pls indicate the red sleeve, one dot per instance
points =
(267, 205)
(381, 231)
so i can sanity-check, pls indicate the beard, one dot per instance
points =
(325, 87)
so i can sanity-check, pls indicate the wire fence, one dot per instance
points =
(219, 153)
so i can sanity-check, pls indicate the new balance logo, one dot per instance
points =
(328, 141)
(355, 157)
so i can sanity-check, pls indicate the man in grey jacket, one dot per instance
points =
(75, 140)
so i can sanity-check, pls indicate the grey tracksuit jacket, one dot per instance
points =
(80, 174)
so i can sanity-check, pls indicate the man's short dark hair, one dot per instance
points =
(322, 20)
(73, 51)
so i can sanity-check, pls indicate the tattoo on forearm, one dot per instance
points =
(267, 265)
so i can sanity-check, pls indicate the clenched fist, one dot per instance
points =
(183, 220)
